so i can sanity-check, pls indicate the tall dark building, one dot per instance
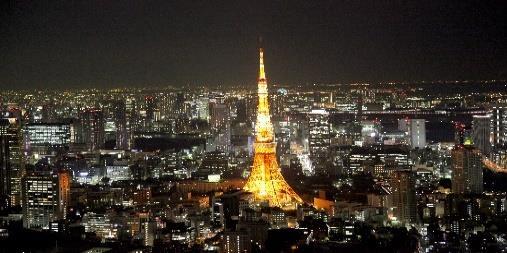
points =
(5, 171)
(319, 139)
(220, 122)
(481, 130)
(241, 111)
(404, 198)
(179, 103)
(92, 128)
(466, 170)
(12, 155)
(122, 125)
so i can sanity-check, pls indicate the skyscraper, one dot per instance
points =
(319, 139)
(481, 130)
(12, 155)
(499, 124)
(221, 126)
(404, 199)
(92, 128)
(5, 172)
(122, 124)
(466, 167)
(266, 181)
(415, 130)
(46, 195)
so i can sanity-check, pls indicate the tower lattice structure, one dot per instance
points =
(266, 182)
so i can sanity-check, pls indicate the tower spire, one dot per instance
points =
(262, 74)
(266, 181)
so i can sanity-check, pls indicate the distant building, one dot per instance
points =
(202, 109)
(92, 128)
(319, 139)
(499, 124)
(378, 160)
(481, 125)
(122, 125)
(220, 122)
(241, 111)
(213, 163)
(415, 130)
(42, 138)
(118, 170)
(101, 224)
(466, 167)
(11, 160)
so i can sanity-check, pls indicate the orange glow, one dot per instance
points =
(266, 182)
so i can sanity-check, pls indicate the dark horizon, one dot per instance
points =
(133, 43)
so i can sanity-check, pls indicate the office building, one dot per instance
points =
(220, 122)
(403, 195)
(92, 128)
(213, 163)
(466, 165)
(235, 241)
(319, 139)
(122, 125)
(415, 130)
(43, 138)
(499, 124)
(46, 196)
(481, 130)
(11, 159)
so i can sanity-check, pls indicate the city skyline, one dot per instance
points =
(135, 126)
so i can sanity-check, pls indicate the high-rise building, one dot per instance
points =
(220, 122)
(481, 132)
(92, 128)
(202, 109)
(241, 111)
(12, 167)
(404, 198)
(319, 139)
(466, 165)
(499, 124)
(5, 172)
(150, 109)
(415, 130)
(266, 181)
(45, 198)
(122, 124)
(179, 103)
(64, 181)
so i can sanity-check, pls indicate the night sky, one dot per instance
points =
(112, 43)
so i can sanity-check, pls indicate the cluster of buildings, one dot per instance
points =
(362, 166)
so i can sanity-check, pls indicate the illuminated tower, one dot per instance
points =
(266, 181)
